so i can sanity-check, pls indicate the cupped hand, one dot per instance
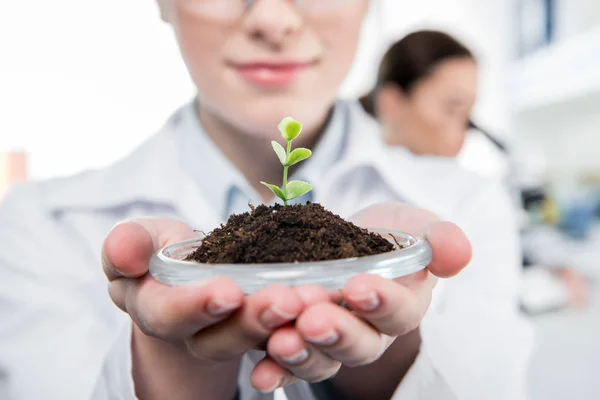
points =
(213, 320)
(327, 336)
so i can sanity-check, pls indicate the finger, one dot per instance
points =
(396, 216)
(262, 312)
(268, 375)
(341, 335)
(392, 308)
(303, 360)
(312, 294)
(335, 296)
(128, 248)
(451, 248)
(172, 313)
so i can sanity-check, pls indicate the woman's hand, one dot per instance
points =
(327, 336)
(207, 327)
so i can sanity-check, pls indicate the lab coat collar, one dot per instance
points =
(205, 162)
(154, 173)
(147, 174)
(411, 178)
(210, 168)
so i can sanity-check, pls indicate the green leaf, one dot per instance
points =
(298, 155)
(290, 128)
(275, 189)
(280, 151)
(297, 189)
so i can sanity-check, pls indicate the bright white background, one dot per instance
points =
(84, 82)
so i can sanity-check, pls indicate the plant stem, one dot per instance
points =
(285, 173)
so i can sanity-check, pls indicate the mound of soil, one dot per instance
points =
(296, 233)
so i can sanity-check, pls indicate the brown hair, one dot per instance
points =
(412, 59)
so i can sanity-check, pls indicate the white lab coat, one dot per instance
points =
(61, 338)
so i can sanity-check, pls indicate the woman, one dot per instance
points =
(253, 63)
(426, 89)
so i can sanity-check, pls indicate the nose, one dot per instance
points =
(273, 22)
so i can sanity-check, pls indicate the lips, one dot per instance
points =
(270, 74)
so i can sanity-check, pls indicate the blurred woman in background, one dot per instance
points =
(425, 92)
(423, 99)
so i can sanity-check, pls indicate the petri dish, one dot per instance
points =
(414, 254)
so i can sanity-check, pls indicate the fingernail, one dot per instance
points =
(274, 317)
(218, 309)
(327, 339)
(277, 385)
(105, 263)
(109, 269)
(297, 358)
(368, 302)
(124, 221)
(271, 389)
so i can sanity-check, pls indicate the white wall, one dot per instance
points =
(557, 97)
(84, 82)
(568, 134)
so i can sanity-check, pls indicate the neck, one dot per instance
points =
(252, 154)
(395, 137)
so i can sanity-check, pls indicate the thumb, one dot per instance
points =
(451, 248)
(128, 248)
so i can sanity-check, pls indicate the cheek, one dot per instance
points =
(339, 42)
(438, 132)
(200, 47)
(339, 36)
(428, 119)
(452, 142)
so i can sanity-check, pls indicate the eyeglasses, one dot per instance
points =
(231, 9)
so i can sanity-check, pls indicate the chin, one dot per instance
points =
(259, 123)
(262, 117)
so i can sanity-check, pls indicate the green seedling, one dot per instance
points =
(290, 129)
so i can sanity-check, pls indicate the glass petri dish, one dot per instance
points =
(414, 254)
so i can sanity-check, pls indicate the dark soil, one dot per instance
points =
(296, 233)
